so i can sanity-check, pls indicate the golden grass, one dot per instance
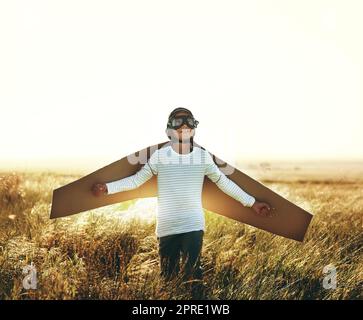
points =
(96, 255)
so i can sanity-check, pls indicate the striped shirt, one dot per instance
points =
(180, 180)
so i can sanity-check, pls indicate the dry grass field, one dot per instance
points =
(112, 253)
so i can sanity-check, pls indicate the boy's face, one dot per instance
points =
(184, 133)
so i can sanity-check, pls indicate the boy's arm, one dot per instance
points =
(136, 180)
(226, 184)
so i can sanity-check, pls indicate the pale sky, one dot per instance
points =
(88, 82)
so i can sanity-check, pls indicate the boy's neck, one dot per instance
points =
(182, 147)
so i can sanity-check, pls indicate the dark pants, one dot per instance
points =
(186, 246)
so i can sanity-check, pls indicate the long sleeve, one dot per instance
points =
(225, 184)
(132, 182)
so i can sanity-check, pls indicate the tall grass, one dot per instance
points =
(97, 255)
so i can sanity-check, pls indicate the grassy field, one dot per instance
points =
(112, 253)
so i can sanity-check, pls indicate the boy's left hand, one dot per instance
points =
(262, 208)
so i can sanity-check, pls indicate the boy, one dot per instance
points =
(180, 168)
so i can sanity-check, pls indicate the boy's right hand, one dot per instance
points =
(99, 189)
(262, 209)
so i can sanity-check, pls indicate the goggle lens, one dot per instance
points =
(177, 122)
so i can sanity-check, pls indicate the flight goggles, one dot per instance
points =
(178, 121)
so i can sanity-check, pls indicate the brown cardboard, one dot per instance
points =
(288, 220)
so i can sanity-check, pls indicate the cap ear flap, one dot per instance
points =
(167, 131)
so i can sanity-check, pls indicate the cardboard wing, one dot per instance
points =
(289, 220)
